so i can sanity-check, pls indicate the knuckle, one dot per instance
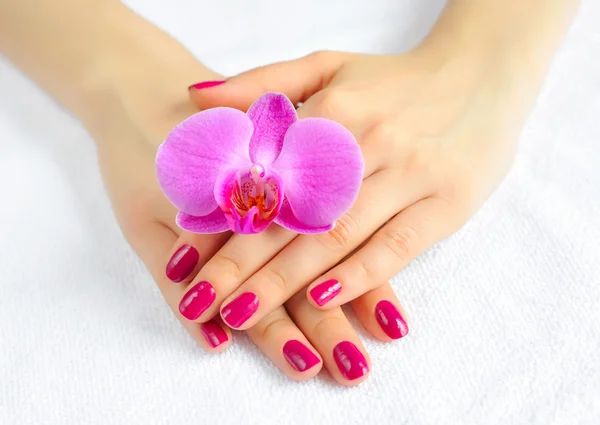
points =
(319, 56)
(275, 279)
(322, 328)
(273, 327)
(226, 265)
(456, 214)
(401, 242)
(327, 58)
(383, 133)
(362, 271)
(420, 160)
(342, 234)
(330, 103)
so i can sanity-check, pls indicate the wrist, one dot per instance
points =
(140, 72)
(512, 37)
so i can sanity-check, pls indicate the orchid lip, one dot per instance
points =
(253, 199)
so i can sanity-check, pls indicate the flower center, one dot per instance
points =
(255, 190)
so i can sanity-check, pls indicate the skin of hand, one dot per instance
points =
(174, 257)
(129, 97)
(438, 128)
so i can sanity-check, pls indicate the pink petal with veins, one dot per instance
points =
(215, 222)
(272, 114)
(196, 152)
(321, 166)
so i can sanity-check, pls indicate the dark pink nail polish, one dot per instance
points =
(350, 361)
(197, 300)
(390, 320)
(205, 85)
(325, 292)
(182, 263)
(239, 310)
(213, 333)
(299, 355)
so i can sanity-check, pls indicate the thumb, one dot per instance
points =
(298, 79)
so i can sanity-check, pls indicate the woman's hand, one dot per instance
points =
(447, 129)
(437, 138)
(132, 116)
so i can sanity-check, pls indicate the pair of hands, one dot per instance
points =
(437, 137)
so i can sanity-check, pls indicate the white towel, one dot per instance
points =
(504, 315)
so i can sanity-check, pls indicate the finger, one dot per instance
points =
(380, 312)
(155, 243)
(285, 345)
(225, 271)
(297, 79)
(332, 335)
(308, 255)
(184, 258)
(407, 235)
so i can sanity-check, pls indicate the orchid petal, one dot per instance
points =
(215, 222)
(287, 219)
(321, 165)
(272, 114)
(196, 152)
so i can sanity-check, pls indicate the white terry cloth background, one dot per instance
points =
(504, 315)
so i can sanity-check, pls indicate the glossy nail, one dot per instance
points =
(325, 292)
(197, 300)
(390, 320)
(299, 355)
(213, 333)
(205, 85)
(350, 361)
(239, 310)
(182, 263)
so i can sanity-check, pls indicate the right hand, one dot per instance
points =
(134, 116)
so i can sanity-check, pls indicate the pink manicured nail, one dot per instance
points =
(182, 263)
(390, 320)
(213, 333)
(197, 300)
(299, 355)
(350, 361)
(205, 85)
(324, 292)
(239, 310)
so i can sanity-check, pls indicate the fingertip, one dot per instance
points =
(216, 337)
(391, 320)
(305, 375)
(206, 84)
(380, 313)
(323, 295)
(238, 311)
(232, 93)
(303, 361)
(353, 362)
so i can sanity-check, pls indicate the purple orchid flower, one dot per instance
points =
(224, 169)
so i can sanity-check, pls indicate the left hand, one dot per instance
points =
(437, 138)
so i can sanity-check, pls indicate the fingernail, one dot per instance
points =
(239, 310)
(213, 333)
(299, 355)
(325, 292)
(197, 300)
(205, 85)
(390, 320)
(182, 263)
(350, 361)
